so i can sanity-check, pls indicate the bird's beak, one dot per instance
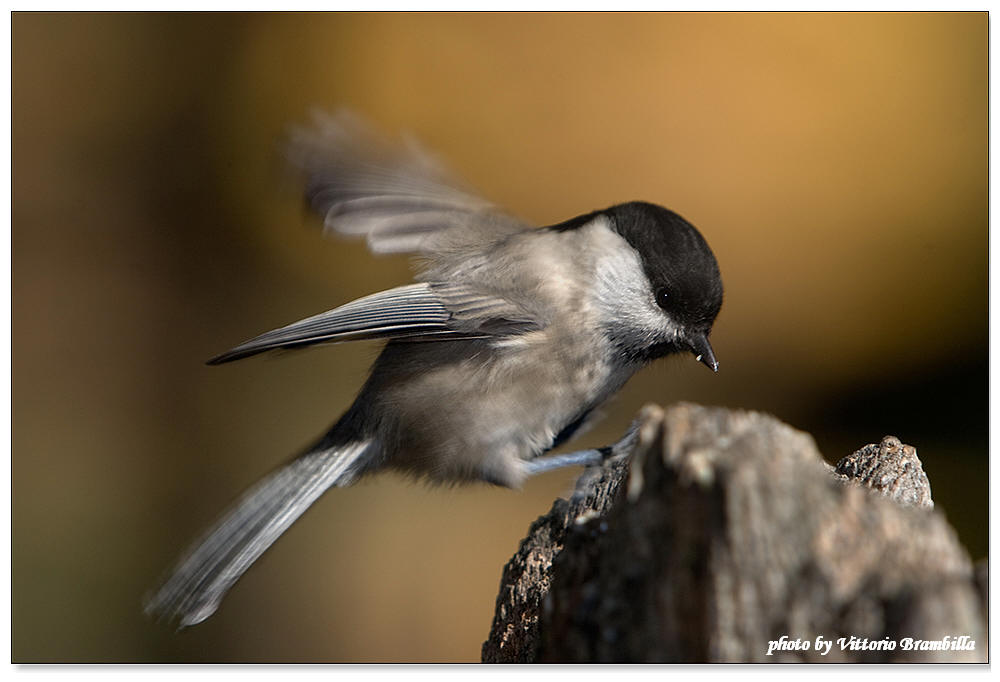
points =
(702, 350)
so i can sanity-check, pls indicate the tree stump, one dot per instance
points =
(723, 536)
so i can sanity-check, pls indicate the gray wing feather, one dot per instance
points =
(202, 578)
(425, 310)
(400, 199)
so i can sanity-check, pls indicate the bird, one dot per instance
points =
(510, 338)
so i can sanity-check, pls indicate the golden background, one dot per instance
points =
(837, 164)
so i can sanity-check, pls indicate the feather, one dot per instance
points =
(202, 578)
(399, 200)
(426, 311)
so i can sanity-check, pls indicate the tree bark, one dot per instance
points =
(722, 535)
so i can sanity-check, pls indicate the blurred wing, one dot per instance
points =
(424, 311)
(399, 199)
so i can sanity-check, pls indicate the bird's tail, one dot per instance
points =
(212, 566)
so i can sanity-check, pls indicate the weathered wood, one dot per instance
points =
(724, 531)
(526, 577)
(891, 468)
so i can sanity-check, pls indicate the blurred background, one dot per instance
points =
(837, 164)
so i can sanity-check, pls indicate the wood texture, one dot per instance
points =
(724, 531)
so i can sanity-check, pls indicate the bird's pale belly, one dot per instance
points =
(485, 429)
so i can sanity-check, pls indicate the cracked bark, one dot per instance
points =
(724, 530)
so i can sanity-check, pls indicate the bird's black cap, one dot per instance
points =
(676, 259)
(679, 264)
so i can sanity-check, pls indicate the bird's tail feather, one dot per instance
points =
(212, 566)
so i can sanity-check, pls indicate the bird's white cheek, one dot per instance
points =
(624, 296)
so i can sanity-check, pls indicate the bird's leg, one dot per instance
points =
(587, 458)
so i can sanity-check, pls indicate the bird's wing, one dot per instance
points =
(425, 311)
(399, 199)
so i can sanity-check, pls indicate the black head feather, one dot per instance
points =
(675, 257)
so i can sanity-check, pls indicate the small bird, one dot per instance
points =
(502, 350)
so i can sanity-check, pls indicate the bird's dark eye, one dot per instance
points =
(662, 298)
